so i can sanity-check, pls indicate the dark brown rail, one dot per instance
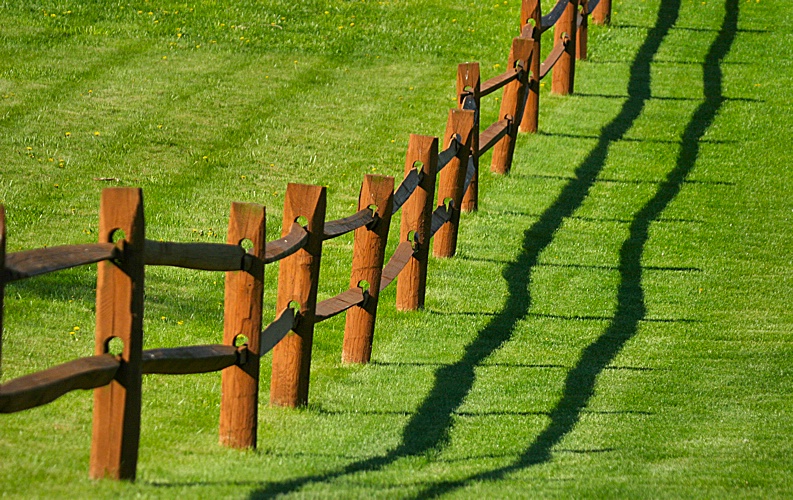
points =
(492, 135)
(21, 265)
(440, 216)
(499, 81)
(548, 20)
(403, 192)
(553, 57)
(445, 156)
(343, 226)
(192, 359)
(341, 302)
(40, 388)
(276, 330)
(398, 261)
(204, 256)
(286, 246)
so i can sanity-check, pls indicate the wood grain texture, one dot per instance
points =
(339, 303)
(298, 276)
(192, 359)
(601, 13)
(498, 82)
(530, 11)
(400, 258)
(512, 105)
(553, 57)
(242, 317)
(367, 265)
(119, 314)
(339, 227)
(468, 77)
(2, 276)
(43, 387)
(204, 256)
(294, 240)
(583, 30)
(276, 330)
(563, 78)
(452, 180)
(412, 283)
(29, 263)
(492, 135)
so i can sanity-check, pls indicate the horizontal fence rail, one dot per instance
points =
(452, 172)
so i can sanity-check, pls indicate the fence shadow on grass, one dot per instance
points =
(428, 428)
(580, 382)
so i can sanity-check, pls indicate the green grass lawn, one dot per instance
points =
(617, 322)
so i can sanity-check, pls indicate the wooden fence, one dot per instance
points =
(123, 252)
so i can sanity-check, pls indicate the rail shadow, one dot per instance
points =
(580, 381)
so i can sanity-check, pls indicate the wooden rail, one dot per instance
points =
(116, 379)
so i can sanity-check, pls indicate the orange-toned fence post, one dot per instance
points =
(452, 179)
(512, 105)
(583, 30)
(367, 265)
(530, 11)
(416, 222)
(563, 80)
(468, 86)
(602, 12)
(298, 276)
(2, 276)
(119, 315)
(242, 324)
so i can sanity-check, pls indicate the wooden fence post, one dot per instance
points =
(119, 315)
(452, 180)
(242, 324)
(2, 276)
(298, 276)
(530, 11)
(468, 84)
(512, 105)
(602, 13)
(367, 265)
(583, 31)
(563, 80)
(416, 220)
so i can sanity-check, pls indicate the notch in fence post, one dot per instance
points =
(367, 265)
(2, 276)
(530, 11)
(469, 84)
(416, 222)
(298, 276)
(583, 31)
(564, 70)
(602, 12)
(452, 180)
(119, 315)
(512, 105)
(242, 323)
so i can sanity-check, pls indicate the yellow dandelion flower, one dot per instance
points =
(97, 134)
(180, 322)
(68, 134)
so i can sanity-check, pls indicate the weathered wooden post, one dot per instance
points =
(512, 105)
(564, 71)
(368, 254)
(2, 276)
(242, 322)
(416, 222)
(602, 12)
(468, 85)
(119, 315)
(298, 276)
(583, 30)
(530, 12)
(452, 179)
